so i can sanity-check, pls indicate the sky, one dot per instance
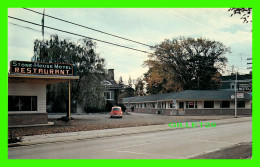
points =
(147, 25)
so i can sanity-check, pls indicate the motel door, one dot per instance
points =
(181, 109)
(181, 105)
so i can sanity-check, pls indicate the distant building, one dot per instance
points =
(112, 89)
(191, 102)
(244, 82)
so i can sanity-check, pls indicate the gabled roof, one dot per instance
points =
(239, 77)
(187, 95)
(112, 84)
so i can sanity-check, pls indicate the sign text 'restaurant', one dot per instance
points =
(25, 67)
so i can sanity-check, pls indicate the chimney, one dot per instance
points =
(111, 74)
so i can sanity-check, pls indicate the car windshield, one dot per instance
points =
(116, 109)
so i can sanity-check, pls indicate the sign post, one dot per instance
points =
(69, 114)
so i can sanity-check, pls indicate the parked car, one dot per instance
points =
(116, 112)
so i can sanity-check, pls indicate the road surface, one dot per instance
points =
(172, 144)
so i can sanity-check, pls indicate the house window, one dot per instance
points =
(108, 95)
(225, 104)
(208, 104)
(241, 104)
(22, 103)
(191, 104)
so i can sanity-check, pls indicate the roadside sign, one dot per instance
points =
(245, 87)
(174, 102)
(240, 95)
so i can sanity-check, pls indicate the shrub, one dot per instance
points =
(122, 107)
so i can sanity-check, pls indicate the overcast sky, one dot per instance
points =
(150, 26)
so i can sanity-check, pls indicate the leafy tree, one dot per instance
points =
(121, 82)
(185, 63)
(245, 12)
(139, 87)
(88, 90)
(128, 92)
(130, 82)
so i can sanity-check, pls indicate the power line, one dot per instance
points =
(79, 35)
(18, 25)
(91, 38)
(89, 28)
(199, 65)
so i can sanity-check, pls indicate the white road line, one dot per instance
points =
(149, 154)
(190, 156)
(212, 150)
(213, 141)
(125, 147)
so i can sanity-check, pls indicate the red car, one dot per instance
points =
(116, 112)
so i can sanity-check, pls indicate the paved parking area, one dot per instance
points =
(85, 122)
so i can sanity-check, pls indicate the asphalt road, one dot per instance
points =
(174, 144)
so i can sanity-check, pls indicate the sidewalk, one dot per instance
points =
(83, 135)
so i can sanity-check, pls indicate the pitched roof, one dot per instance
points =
(239, 77)
(187, 95)
(113, 85)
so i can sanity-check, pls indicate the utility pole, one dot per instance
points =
(236, 96)
(249, 63)
(198, 83)
(69, 111)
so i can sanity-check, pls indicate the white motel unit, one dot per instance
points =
(192, 102)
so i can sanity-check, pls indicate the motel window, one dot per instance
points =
(145, 105)
(225, 104)
(241, 104)
(208, 104)
(171, 105)
(191, 104)
(153, 105)
(22, 103)
(163, 105)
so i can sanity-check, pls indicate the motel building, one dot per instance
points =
(192, 102)
(27, 90)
